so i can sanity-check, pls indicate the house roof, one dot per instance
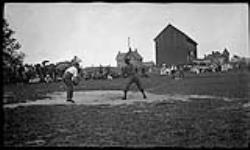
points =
(135, 54)
(129, 53)
(215, 54)
(169, 26)
(120, 55)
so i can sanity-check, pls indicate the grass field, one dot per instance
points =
(197, 123)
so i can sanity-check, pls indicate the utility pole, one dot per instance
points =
(129, 48)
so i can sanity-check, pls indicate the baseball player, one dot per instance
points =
(69, 77)
(133, 77)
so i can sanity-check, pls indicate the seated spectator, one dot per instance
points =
(179, 74)
(48, 79)
(163, 69)
(109, 77)
(35, 80)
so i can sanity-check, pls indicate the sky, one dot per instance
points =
(96, 32)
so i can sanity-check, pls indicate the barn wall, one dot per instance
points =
(172, 47)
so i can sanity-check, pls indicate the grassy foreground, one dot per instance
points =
(199, 123)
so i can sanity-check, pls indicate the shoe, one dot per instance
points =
(144, 96)
(70, 100)
(124, 98)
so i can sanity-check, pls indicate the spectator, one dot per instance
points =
(48, 79)
(143, 71)
(109, 77)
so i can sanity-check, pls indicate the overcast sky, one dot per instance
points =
(96, 32)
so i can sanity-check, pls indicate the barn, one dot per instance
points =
(174, 47)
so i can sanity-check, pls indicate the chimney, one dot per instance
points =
(130, 49)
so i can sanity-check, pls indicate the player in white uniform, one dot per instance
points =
(69, 75)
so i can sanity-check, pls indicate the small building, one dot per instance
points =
(239, 62)
(218, 58)
(135, 58)
(120, 59)
(148, 64)
(174, 47)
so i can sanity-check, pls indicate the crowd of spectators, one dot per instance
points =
(30, 73)
(46, 73)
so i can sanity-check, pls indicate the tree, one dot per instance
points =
(11, 55)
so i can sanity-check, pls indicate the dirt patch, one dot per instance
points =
(109, 97)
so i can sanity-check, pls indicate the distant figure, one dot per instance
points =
(143, 73)
(109, 77)
(181, 71)
(36, 79)
(48, 78)
(69, 77)
(133, 78)
(165, 70)
(179, 74)
(173, 69)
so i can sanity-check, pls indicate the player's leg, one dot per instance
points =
(69, 87)
(138, 84)
(71, 91)
(127, 88)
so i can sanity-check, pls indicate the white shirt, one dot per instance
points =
(72, 70)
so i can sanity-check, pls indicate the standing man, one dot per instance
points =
(133, 77)
(69, 77)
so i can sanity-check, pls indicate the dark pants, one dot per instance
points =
(136, 80)
(67, 79)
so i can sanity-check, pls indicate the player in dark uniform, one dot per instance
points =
(133, 77)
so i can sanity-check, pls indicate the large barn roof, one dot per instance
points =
(172, 27)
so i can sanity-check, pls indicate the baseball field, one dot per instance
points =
(206, 110)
